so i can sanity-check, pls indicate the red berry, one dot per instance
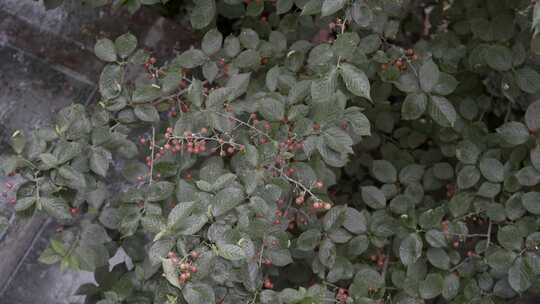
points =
(300, 200)
(194, 254)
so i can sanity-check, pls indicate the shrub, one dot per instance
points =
(323, 151)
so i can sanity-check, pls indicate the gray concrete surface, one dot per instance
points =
(46, 63)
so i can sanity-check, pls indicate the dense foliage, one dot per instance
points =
(317, 151)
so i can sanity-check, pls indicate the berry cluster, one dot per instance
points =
(185, 265)
(342, 295)
(380, 258)
(401, 63)
(5, 194)
(268, 283)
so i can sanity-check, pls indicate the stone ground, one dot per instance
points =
(47, 62)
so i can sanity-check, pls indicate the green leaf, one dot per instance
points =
(231, 252)
(467, 177)
(254, 8)
(446, 85)
(467, 152)
(18, 141)
(510, 237)
(492, 169)
(271, 109)
(226, 200)
(410, 249)
(531, 202)
(327, 253)
(247, 59)
(202, 14)
(145, 93)
(312, 7)
(217, 97)
(191, 58)
(450, 287)
(431, 286)
(171, 272)
(223, 181)
(25, 203)
(535, 157)
(514, 133)
(159, 191)
(373, 197)
(429, 75)
(355, 221)
(520, 276)
(125, 44)
(438, 258)
(272, 77)
(384, 171)
(231, 46)
(99, 160)
(442, 111)
(356, 80)
(283, 6)
(532, 116)
(238, 84)
(249, 38)
(279, 257)
(49, 256)
(330, 7)
(362, 14)
(109, 81)
(498, 57)
(414, 105)
(338, 140)
(74, 178)
(528, 176)
(55, 207)
(198, 293)
(179, 213)
(345, 45)
(357, 245)
(528, 80)
(159, 249)
(211, 42)
(105, 50)
(460, 203)
(308, 240)
(436, 238)
(147, 113)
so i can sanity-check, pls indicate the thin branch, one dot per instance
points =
(243, 123)
(297, 183)
(153, 148)
(488, 235)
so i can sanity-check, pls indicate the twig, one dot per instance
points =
(153, 147)
(297, 183)
(244, 124)
(488, 235)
